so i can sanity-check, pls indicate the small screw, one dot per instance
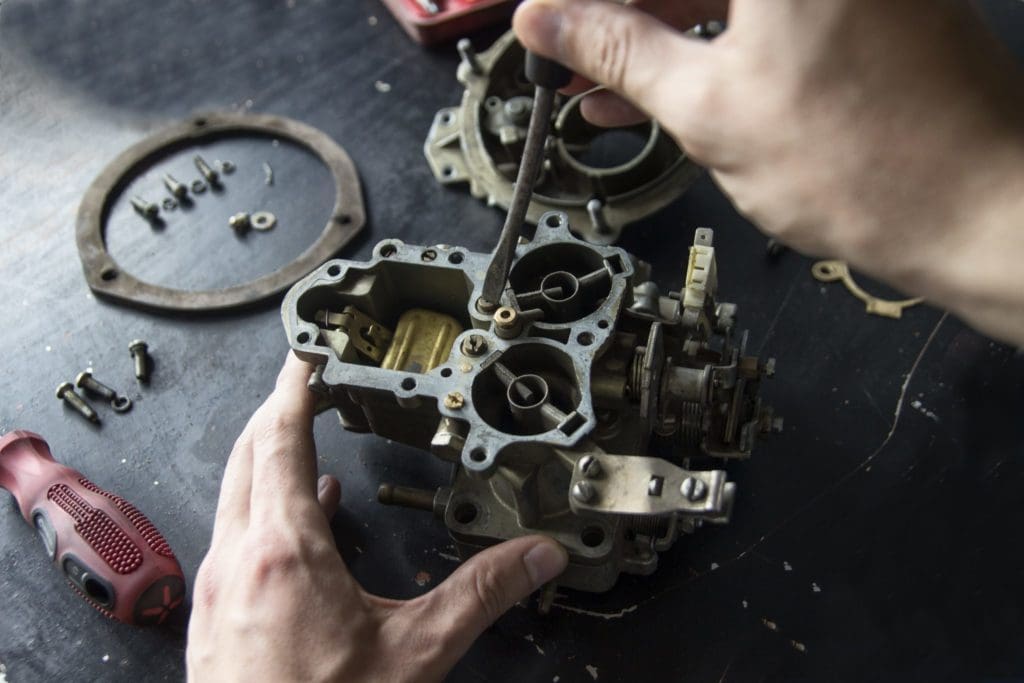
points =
(239, 222)
(86, 381)
(198, 186)
(454, 401)
(226, 167)
(583, 491)
(147, 210)
(205, 170)
(140, 353)
(589, 466)
(66, 393)
(174, 187)
(693, 489)
(474, 345)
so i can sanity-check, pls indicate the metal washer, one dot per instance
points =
(263, 220)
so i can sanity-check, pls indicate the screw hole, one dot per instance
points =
(408, 384)
(478, 455)
(448, 171)
(592, 536)
(465, 513)
(200, 122)
(388, 250)
(553, 221)
(334, 271)
(585, 338)
(603, 324)
(108, 274)
(447, 118)
(303, 338)
(446, 372)
(455, 257)
(343, 219)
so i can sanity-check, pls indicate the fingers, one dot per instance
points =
(607, 109)
(621, 47)
(283, 451)
(328, 494)
(486, 586)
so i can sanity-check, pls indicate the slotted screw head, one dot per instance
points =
(693, 489)
(589, 466)
(583, 491)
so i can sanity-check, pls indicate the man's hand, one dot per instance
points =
(886, 133)
(273, 600)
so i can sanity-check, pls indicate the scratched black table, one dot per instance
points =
(877, 538)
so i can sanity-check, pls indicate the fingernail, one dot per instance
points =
(543, 25)
(545, 561)
(321, 484)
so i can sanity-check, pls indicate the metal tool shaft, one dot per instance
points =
(533, 155)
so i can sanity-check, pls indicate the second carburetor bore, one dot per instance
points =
(547, 405)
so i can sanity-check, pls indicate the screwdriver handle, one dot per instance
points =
(110, 552)
(545, 72)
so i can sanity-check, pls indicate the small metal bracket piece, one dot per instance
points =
(370, 337)
(830, 271)
(106, 277)
(639, 485)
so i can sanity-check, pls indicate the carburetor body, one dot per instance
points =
(548, 405)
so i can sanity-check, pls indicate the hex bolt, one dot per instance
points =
(239, 222)
(474, 345)
(454, 400)
(595, 209)
(140, 354)
(583, 491)
(86, 381)
(468, 55)
(66, 393)
(205, 170)
(693, 489)
(174, 187)
(590, 466)
(147, 210)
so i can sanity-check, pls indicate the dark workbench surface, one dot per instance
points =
(877, 538)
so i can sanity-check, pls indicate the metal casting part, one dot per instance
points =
(550, 408)
(480, 142)
(830, 271)
(104, 275)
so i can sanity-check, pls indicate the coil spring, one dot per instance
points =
(691, 420)
(634, 380)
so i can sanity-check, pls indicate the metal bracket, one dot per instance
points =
(830, 271)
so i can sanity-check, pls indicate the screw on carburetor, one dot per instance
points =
(174, 187)
(205, 170)
(693, 489)
(589, 466)
(140, 354)
(583, 491)
(239, 222)
(474, 345)
(454, 400)
(468, 55)
(147, 210)
(66, 393)
(506, 322)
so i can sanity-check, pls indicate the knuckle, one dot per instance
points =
(615, 45)
(490, 592)
(206, 588)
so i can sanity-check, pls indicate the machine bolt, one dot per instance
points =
(454, 400)
(205, 170)
(66, 393)
(239, 222)
(693, 489)
(140, 353)
(174, 187)
(583, 491)
(474, 345)
(86, 381)
(468, 55)
(590, 467)
(147, 210)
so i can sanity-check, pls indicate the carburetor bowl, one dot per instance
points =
(546, 405)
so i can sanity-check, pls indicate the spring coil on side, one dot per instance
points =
(691, 420)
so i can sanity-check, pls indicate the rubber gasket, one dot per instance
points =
(106, 278)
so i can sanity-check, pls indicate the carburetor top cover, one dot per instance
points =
(546, 406)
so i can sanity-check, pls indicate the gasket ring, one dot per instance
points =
(106, 278)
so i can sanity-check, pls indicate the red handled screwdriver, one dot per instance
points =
(110, 552)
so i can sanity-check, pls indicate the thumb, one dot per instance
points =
(620, 47)
(487, 585)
